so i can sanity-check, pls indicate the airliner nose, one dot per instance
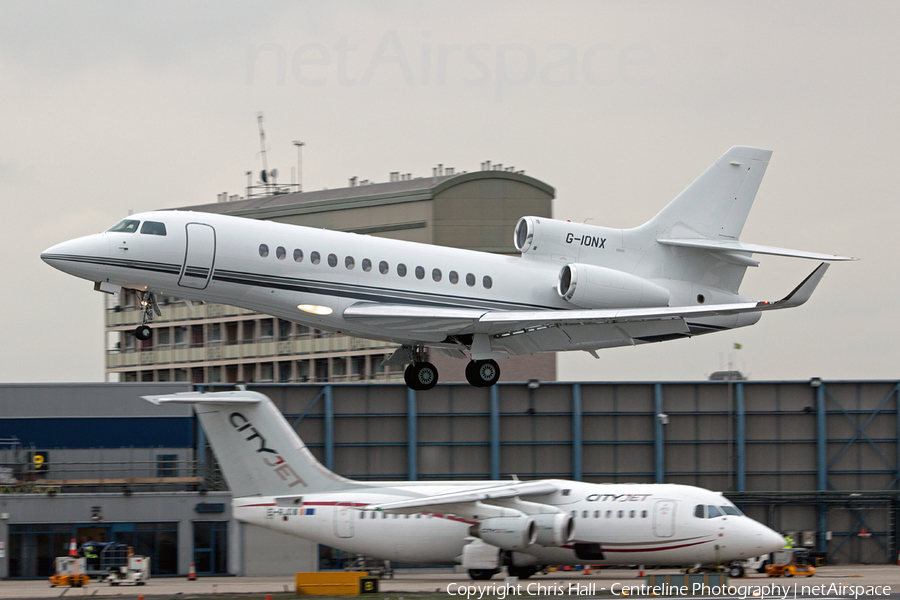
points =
(77, 256)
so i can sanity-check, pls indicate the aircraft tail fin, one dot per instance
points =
(716, 204)
(258, 451)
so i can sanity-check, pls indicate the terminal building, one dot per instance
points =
(222, 344)
(94, 462)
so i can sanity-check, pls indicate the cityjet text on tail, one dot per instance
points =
(574, 286)
(481, 525)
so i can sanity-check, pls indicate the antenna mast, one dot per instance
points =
(262, 145)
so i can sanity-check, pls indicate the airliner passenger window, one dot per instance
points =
(436, 274)
(401, 270)
(315, 259)
(470, 280)
(153, 228)
(712, 512)
(596, 514)
(584, 514)
(454, 277)
(643, 514)
(631, 514)
(621, 514)
(349, 262)
(263, 250)
(125, 226)
(420, 273)
(609, 514)
(383, 268)
(487, 282)
(699, 511)
(332, 260)
(280, 252)
(366, 265)
(298, 255)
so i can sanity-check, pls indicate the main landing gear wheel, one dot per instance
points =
(421, 376)
(143, 332)
(482, 574)
(482, 373)
(736, 571)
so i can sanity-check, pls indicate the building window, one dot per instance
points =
(263, 250)
(401, 270)
(470, 280)
(280, 252)
(314, 258)
(349, 262)
(454, 277)
(167, 465)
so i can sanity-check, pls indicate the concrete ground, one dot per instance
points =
(452, 585)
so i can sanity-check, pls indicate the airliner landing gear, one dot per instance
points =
(482, 574)
(482, 373)
(148, 307)
(421, 376)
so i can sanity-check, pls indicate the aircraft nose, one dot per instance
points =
(766, 540)
(78, 255)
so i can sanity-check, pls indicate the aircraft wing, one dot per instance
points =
(564, 329)
(441, 502)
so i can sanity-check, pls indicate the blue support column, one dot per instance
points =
(822, 464)
(412, 435)
(577, 473)
(659, 435)
(329, 428)
(740, 437)
(495, 432)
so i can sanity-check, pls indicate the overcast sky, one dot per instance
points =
(107, 107)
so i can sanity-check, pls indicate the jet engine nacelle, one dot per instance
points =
(554, 529)
(508, 533)
(590, 286)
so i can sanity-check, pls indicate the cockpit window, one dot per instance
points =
(712, 512)
(731, 510)
(125, 226)
(153, 228)
(700, 511)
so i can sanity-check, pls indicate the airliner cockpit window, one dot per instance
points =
(731, 510)
(153, 228)
(712, 512)
(125, 226)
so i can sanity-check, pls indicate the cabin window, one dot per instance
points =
(401, 270)
(366, 265)
(383, 268)
(332, 260)
(349, 262)
(280, 252)
(712, 512)
(298, 255)
(153, 228)
(420, 273)
(643, 514)
(631, 514)
(584, 514)
(362, 515)
(125, 226)
(436, 274)
(470, 279)
(621, 514)
(263, 250)
(487, 282)
(574, 514)
(454, 277)
(700, 511)
(609, 514)
(596, 514)
(373, 515)
(314, 258)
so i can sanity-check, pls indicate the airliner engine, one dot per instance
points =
(590, 286)
(508, 533)
(554, 529)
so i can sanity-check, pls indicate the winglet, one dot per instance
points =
(801, 293)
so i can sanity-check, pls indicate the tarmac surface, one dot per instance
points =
(880, 581)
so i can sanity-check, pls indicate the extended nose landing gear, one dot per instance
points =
(148, 307)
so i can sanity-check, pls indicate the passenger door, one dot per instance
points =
(199, 256)
(664, 518)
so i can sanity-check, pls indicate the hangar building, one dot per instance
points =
(820, 459)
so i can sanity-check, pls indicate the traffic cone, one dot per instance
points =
(587, 569)
(73, 548)
(192, 574)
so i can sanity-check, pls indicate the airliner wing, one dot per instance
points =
(443, 501)
(605, 328)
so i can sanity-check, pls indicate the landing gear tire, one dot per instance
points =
(521, 572)
(482, 574)
(143, 332)
(735, 571)
(482, 373)
(421, 376)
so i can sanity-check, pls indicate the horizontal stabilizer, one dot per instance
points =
(239, 397)
(735, 246)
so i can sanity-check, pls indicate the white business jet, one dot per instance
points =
(482, 525)
(574, 287)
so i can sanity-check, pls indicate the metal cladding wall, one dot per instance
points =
(819, 457)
